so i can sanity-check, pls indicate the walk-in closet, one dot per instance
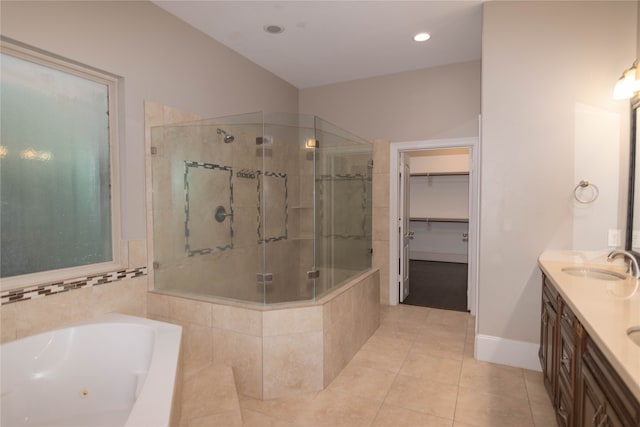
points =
(439, 228)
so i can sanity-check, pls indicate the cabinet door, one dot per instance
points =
(566, 351)
(610, 419)
(592, 400)
(620, 407)
(547, 344)
(564, 406)
(595, 409)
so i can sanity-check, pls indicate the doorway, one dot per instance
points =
(441, 219)
(436, 205)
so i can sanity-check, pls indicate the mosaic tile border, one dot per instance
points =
(357, 177)
(187, 231)
(39, 291)
(267, 239)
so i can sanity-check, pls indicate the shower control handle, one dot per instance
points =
(221, 214)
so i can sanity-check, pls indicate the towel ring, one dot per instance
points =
(583, 185)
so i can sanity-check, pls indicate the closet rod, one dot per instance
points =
(427, 219)
(439, 174)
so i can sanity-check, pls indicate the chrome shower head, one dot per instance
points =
(227, 138)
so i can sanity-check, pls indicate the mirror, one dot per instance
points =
(632, 242)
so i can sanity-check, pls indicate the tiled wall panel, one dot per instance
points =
(275, 352)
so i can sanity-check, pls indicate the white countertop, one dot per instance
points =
(606, 309)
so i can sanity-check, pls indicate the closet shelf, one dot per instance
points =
(439, 174)
(436, 219)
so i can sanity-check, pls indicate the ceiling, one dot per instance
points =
(328, 42)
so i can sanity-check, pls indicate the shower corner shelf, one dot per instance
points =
(438, 219)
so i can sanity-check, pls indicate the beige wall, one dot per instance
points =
(160, 58)
(543, 64)
(439, 102)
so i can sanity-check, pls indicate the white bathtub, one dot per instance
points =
(114, 370)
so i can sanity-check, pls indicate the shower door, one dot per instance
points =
(343, 167)
(286, 207)
(205, 187)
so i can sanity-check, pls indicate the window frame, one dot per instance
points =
(119, 259)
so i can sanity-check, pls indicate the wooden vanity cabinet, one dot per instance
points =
(557, 353)
(583, 386)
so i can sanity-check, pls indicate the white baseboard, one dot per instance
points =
(520, 354)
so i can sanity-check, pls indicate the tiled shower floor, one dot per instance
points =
(416, 370)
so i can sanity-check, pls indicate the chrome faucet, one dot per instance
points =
(634, 270)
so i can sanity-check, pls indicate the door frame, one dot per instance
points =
(404, 226)
(473, 144)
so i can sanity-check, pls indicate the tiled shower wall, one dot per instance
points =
(84, 300)
(277, 351)
(380, 233)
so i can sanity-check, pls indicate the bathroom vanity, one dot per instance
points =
(591, 366)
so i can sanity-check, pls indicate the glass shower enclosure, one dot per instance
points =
(261, 207)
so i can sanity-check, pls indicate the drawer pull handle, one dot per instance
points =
(594, 420)
(564, 415)
(604, 421)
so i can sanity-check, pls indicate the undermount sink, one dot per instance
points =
(594, 273)
(634, 333)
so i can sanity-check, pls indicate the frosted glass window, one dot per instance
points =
(55, 193)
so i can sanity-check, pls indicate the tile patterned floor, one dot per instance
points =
(416, 370)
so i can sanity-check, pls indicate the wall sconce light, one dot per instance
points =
(627, 85)
(311, 143)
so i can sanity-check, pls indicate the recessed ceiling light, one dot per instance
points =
(422, 37)
(274, 29)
